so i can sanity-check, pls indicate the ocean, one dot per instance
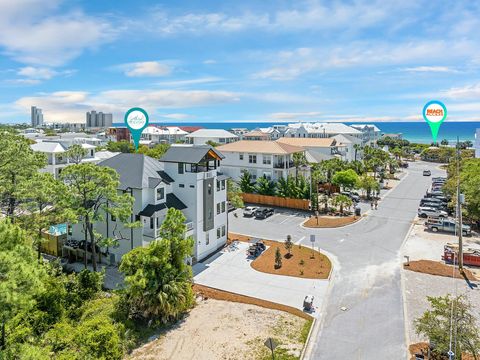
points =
(418, 132)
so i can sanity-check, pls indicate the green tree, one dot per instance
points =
(247, 185)
(123, 146)
(283, 187)
(76, 153)
(288, 245)
(330, 167)
(92, 192)
(342, 201)
(156, 152)
(278, 258)
(158, 281)
(368, 184)
(444, 142)
(234, 194)
(265, 186)
(299, 159)
(347, 179)
(18, 163)
(20, 275)
(42, 198)
(357, 148)
(212, 143)
(436, 324)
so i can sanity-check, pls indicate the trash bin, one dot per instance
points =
(357, 211)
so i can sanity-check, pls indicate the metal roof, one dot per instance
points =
(189, 154)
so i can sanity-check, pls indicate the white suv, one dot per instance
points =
(424, 211)
(249, 211)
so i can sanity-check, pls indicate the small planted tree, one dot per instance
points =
(247, 185)
(265, 186)
(289, 245)
(234, 194)
(342, 201)
(436, 323)
(278, 258)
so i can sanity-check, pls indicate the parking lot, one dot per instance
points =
(280, 216)
(230, 270)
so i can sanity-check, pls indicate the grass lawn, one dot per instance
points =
(330, 221)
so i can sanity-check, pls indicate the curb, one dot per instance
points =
(402, 286)
(318, 323)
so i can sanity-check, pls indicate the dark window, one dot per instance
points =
(218, 208)
(240, 156)
(223, 230)
(160, 193)
(218, 233)
(223, 184)
(218, 185)
(180, 168)
(192, 186)
(252, 159)
(223, 206)
(151, 223)
(181, 185)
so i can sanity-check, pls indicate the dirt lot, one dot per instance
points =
(330, 221)
(217, 329)
(318, 267)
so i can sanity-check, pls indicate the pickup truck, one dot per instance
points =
(446, 225)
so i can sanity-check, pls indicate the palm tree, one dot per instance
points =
(357, 147)
(299, 159)
(265, 186)
(342, 201)
(283, 188)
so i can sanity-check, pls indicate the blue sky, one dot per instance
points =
(216, 61)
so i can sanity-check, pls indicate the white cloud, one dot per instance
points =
(209, 62)
(434, 69)
(146, 68)
(203, 80)
(36, 73)
(465, 92)
(70, 106)
(31, 32)
(176, 116)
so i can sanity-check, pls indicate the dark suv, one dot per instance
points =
(263, 213)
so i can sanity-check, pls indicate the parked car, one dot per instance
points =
(433, 199)
(446, 225)
(249, 211)
(355, 197)
(439, 178)
(427, 173)
(434, 205)
(256, 247)
(424, 212)
(263, 213)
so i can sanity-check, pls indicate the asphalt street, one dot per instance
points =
(366, 279)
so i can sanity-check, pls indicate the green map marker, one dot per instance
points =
(434, 113)
(136, 120)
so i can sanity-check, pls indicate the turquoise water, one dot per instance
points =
(412, 131)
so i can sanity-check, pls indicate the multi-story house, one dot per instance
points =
(350, 147)
(320, 130)
(163, 135)
(202, 136)
(271, 159)
(56, 152)
(187, 179)
(371, 133)
(317, 149)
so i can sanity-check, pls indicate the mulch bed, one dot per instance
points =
(422, 348)
(318, 267)
(437, 268)
(330, 221)
(208, 292)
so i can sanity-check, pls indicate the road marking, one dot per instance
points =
(288, 218)
(341, 240)
(299, 240)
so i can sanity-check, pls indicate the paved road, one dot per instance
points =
(367, 275)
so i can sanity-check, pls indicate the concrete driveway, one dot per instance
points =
(230, 270)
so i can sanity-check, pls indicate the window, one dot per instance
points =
(151, 223)
(267, 160)
(218, 185)
(192, 186)
(160, 193)
(240, 156)
(223, 184)
(223, 230)
(252, 159)
(209, 189)
(180, 168)
(207, 238)
(181, 185)
(218, 208)
(112, 217)
(218, 233)
(91, 153)
(70, 230)
(223, 206)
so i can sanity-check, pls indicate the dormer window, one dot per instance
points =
(160, 193)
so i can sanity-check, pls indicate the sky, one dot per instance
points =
(217, 61)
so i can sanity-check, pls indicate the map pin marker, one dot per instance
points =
(136, 120)
(434, 113)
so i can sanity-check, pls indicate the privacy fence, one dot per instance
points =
(300, 204)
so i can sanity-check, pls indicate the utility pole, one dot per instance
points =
(459, 213)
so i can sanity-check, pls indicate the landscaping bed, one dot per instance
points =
(318, 267)
(330, 221)
(422, 348)
(217, 329)
(437, 268)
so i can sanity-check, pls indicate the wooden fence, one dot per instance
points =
(301, 204)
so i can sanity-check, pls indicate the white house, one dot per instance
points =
(57, 158)
(202, 136)
(477, 144)
(371, 133)
(349, 147)
(167, 134)
(271, 159)
(318, 149)
(320, 130)
(186, 179)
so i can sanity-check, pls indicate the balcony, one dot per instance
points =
(281, 165)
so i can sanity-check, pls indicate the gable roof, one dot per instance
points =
(136, 171)
(262, 147)
(189, 154)
(346, 139)
(171, 201)
(308, 142)
(48, 147)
